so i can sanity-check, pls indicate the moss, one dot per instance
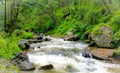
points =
(97, 29)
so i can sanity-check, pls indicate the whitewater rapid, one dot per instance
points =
(66, 57)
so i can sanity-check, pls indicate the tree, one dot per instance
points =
(14, 12)
(5, 17)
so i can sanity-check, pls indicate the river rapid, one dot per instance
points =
(66, 57)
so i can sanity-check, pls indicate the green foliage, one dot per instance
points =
(80, 30)
(10, 69)
(115, 21)
(116, 38)
(22, 34)
(8, 47)
(117, 52)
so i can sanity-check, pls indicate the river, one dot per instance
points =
(66, 57)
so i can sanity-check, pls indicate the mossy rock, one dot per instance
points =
(102, 35)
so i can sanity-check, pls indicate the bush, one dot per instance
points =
(22, 34)
(116, 38)
(80, 29)
(8, 47)
(115, 21)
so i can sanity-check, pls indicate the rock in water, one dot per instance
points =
(22, 62)
(47, 67)
(87, 55)
(26, 66)
(24, 44)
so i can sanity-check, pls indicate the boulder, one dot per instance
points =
(24, 44)
(101, 53)
(26, 66)
(38, 37)
(103, 36)
(47, 67)
(70, 36)
(21, 61)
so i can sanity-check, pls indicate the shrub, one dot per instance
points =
(22, 34)
(115, 21)
(8, 48)
(116, 38)
(80, 29)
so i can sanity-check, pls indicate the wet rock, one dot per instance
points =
(34, 41)
(46, 67)
(24, 44)
(72, 38)
(38, 37)
(22, 62)
(46, 39)
(103, 36)
(87, 54)
(26, 66)
(101, 53)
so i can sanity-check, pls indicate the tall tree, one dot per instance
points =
(5, 17)
(14, 11)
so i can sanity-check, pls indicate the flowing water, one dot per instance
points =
(66, 57)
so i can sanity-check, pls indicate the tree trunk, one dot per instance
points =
(5, 18)
(13, 15)
(119, 3)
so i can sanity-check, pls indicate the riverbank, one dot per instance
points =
(104, 53)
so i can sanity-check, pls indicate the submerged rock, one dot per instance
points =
(46, 67)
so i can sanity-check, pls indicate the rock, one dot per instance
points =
(46, 39)
(26, 66)
(101, 53)
(116, 56)
(22, 62)
(47, 67)
(70, 36)
(103, 36)
(87, 54)
(24, 44)
(38, 37)
(34, 41)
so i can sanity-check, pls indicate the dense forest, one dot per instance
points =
(19, 19)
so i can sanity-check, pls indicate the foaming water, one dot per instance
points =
(66, 57)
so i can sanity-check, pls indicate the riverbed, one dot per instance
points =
(66, 57)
